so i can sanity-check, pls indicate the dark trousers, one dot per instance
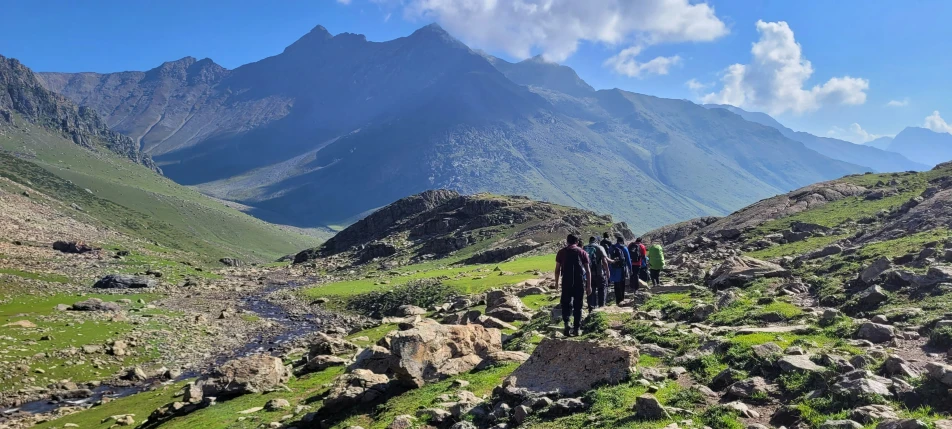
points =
(643, 273)
(572, 298)
(656, 277)
(597, 298)
(619, 292)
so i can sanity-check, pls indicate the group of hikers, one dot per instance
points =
(588, 271)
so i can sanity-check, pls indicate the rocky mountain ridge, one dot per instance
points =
(479, 228)
(284, 134)
(23, 96)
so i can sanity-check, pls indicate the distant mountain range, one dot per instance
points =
(336, 126)
(918, 144)
(866, 155)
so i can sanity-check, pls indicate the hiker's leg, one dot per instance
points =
(566, 303)
(577, 308)
(619, 292)
(656, 277)
(599, 291)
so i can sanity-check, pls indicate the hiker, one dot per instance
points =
(620, 267)
(639, 262)
(571, 267)
(599, 270)
(605, 243)
(655, 263)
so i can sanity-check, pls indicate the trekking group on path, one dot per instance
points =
(586, 272)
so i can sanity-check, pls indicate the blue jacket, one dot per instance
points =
(616, 271)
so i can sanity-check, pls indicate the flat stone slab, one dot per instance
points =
(772, 329)
(798, 363)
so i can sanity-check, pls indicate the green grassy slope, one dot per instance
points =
(133, 200)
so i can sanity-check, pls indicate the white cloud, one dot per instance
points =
(935, 123)
(626, 64)
(775, 78)
(344, 2)
(855, 134)
(696, 85)
(386, 18)
(898, 103)
(556, 27)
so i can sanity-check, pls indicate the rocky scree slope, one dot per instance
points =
(22, 93)
(427, 112)
(481, 228)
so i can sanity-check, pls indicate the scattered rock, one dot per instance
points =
(358, 387)
(647, 407)
(751, 387)
(840, 424)
(72, 247)
(569, 367)
(871, 413)
(738, 270)
(875, 332)
(903, 424)
(872, 272)
(277, 404)
(20, 324)
(96, 304)
(798, 363)
(124, 281)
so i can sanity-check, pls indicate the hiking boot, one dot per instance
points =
(566, 330)
(575, 331)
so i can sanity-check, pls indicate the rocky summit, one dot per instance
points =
(475, 229)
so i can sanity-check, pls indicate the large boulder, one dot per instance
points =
(738, 270)
(431, 352)
(875, 332)
(940, 372)
(124, 281)
(96, 304)
(358, 387)
(251, 374)
(327, 345)
(871, 273)
(505, 307)
(569, 367)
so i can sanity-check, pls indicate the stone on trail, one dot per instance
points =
(871, 273)
(358, 387)
(875, 332)
(751, 387)
(251, 374)
(432, 352)
(871, 297)
(798, 363)
(903, 424)
(647, 407)
(96, 304)
(840, 424)
(738, 270)
(871, 413)
(124, 281)
(569, 367)
(766, 350)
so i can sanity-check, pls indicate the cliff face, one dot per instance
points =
(21, 94)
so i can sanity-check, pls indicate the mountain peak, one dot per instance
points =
(318, 35)
(432, 31)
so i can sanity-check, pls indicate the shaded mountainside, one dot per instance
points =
(481, 228)
(873, 155)
(23, 94)
(337, 126)
(923, 145)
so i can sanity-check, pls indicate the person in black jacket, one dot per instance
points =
(572, 269)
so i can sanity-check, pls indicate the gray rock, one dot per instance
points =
(798, 363)
(830, 315)
(872, 272)
(647, 407)
(463, 425)
(879, 318)
(520, 414)
(567, 406)
(96, 304)
(408, 310)
(862, 388)
(940, 372)
(277, 404)
(897, 366)
(871, 413)
(402, 422)
(840, 424)
(124, 281)
(738, 270)
(903, 424)
(746, 389)
(590, 364)
(871, 297)
(943, 424)
(876, 333)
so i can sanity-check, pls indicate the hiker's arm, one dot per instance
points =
(588, 281)
(558, 273)
(605, 265)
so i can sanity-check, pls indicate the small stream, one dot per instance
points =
(291, 328)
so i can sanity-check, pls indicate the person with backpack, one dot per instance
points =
(639, 261)
(605, 243)
(620, 267)
(655, 263)
(572, 269)
(599, 269)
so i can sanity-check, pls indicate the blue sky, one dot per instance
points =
(875, 51)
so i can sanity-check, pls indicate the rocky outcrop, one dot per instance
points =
(566, 367)
(738, 270)
(430, 352)
(21, 92)
(358, 387)
(252, 374)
